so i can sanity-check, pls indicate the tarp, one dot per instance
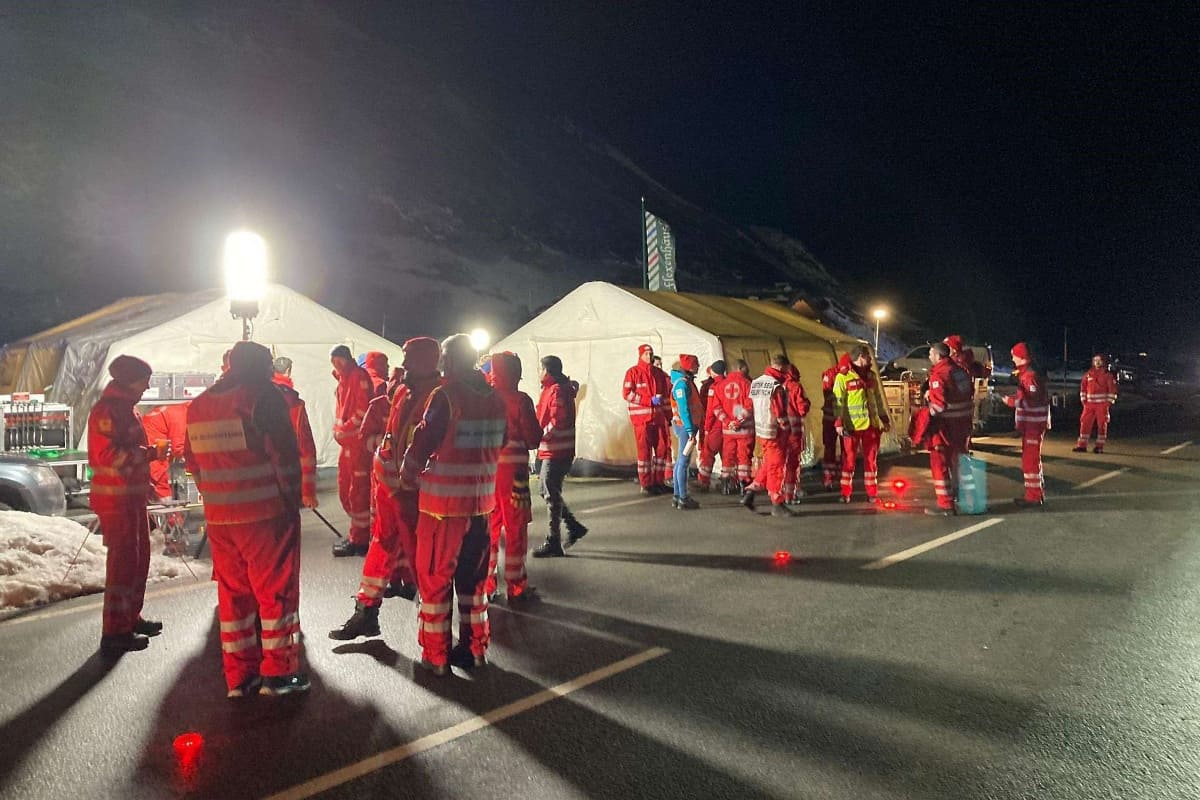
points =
(597, 328)
(190, 332)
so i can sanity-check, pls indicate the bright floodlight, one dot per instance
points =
(245, 262)
(480, 339)
(880, 313)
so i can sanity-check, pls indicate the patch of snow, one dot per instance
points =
(35, 552)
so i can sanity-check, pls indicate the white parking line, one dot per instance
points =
(407, 751)
(1102, 478)
(1176, 448)
(617, 505)
(904, 555)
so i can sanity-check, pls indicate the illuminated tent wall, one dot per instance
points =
(190, 332)
(597, 328)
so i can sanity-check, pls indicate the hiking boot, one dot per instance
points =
(938, 511)
(247, 688)
(748, 500)
(462, 657)
(551, 548)
(685, 504)
(575, 532)
(118, 643)
(781, 510)
(648, 491)
(344, 547)
(147, 627)
(405, 591)
(526, 594)
(363, 622)
(275, 686)
(1098, 448)
(1082, 448)
(438, 670)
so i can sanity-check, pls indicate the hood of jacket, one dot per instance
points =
(506, 371)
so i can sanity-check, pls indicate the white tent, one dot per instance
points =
(597, 328)
(192, 332)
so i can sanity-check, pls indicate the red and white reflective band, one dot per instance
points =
(280, 633)
(1033, 480)
(1036, 414)
(239, 634)
(1098, 398)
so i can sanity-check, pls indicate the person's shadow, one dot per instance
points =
(21, 734)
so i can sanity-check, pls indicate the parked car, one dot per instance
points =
(917, 360)
(27, 484)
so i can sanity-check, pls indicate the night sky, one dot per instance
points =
(1042, 155)
(1040, 159)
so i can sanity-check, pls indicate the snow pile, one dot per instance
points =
(35, 552)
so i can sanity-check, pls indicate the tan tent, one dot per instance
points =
(597, 328)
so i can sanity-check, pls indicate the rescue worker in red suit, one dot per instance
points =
(949, 405)
(353, 394)
(965, 358)
(860, 417)
(1032, 417)
(298, 414)
(165, 424)
(736, 415)
(798, 407)
(712, 437)
(120, 457)
(770, 399)
(645, 395)
(1097, 392)
(452, 460)
(376, 365)
(243, 452)
(663, 470)
(556, 453)
(387, 570)
(513, 508)
(831, 460)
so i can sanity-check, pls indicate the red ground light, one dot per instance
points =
(188, 746)
(899, 485)
(782, 556)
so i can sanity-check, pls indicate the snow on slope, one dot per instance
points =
(36, 551)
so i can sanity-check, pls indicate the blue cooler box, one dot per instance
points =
(972, 485)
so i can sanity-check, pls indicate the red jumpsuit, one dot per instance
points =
(831, 462)
(453, 456)
(242, 450)
(711, 430)
(353, 394)
(165, 423)
(298, 414)
(376, 365)
(394, 529)
(641, 386)
(513, 506)
(770, 400)
(951, 400)
(735, 412)
(664, 461)
(1097, 391)
(119, 458)
(798, 407)
(1032, 418)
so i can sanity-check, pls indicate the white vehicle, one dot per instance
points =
(917, 360)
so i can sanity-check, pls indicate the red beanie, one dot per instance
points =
(689, 363)
(643, 348)
(954, 342)
(1021, 350)
(421, 356)
(127, 369)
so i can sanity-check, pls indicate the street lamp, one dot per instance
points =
(880, 314)
(480, 339)
(245, 261)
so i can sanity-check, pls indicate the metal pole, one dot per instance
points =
(877, 337)
(245, 329)
(328, 524)
(645, 265)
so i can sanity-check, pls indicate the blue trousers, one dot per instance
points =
(680, 474)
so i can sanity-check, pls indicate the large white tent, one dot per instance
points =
(190, 333)
(596, 330)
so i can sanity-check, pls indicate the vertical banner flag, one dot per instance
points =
(659, 254)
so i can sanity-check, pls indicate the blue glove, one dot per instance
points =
(655, 401)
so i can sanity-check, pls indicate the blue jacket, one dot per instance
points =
(685, 402)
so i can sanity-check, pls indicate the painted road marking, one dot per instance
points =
(904, 555)
(1176, 448)
(1102, 478)
(403, 752)
(617, 505)
(62, 612)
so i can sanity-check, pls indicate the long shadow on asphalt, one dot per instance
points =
(916, 575)
(258, 745)
(23, 732)
(1090, 461)
(830, 715)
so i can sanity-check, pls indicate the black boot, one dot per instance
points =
(345, 547)
(748, 500)
(781, 510)
(552, 548)
(119, 643)
(147, 627)
(462, 657)
(576, 530)
(364, 622)
(405, 591)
